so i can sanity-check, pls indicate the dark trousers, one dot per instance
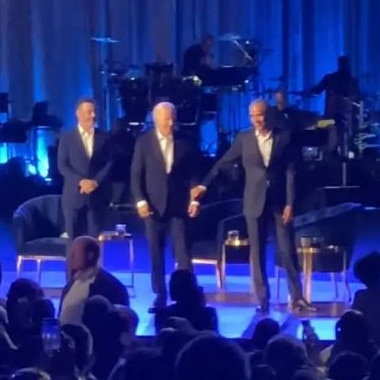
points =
(258, 235)
(156, 230)
(84, 221)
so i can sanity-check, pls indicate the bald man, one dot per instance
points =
(268, 194)
(162, 174)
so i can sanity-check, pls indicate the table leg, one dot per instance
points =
(132, 262)
(223, 267)
(307, 271)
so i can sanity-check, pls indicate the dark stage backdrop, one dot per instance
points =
(46, 51)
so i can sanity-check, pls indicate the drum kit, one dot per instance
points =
(138, 88)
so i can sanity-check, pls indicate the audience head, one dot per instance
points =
(94, 312)
(131, 320)
(84, 253)
(211, 357)
(348, 366)
(86, 113)
(164, 115)
(367, 269)
(285, 355)
(142, 364)
(306, 374)
(184, 289)
(262, 372)
(352, 329)
(22, 295)
(264, 331)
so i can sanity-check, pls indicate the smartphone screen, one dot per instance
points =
(51, 334)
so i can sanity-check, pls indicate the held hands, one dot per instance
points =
(87, 186)
(287, 214)
(193, 209)
(197, 192)
(144, 210)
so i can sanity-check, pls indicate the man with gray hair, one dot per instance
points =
(162, 174)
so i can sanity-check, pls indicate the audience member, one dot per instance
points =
(88, 280)
(210, 357)
(114, 326)
(348, 366)
(352, 334)
(367, 271)
(83, 348)
(22, 295)
(94, 312)
(264, 331)
(141, 364)
(286, 355)
(189, 303)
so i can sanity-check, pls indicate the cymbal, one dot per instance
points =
(105, 40)
(229, 37)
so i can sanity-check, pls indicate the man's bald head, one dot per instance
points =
(164, 114)
(84, 253)
(257, 113)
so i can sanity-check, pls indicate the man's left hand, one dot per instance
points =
(287, 214)
(193, 210)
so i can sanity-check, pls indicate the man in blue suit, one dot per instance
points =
(266, 155)
(85, 163)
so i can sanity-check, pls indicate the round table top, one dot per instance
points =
(236, 242)
(114, 235)
(316, 250)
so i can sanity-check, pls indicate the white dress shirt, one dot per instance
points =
(265, 143)
(76, 298)
(167, 150)
(88, 140)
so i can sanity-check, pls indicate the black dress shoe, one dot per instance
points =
(302, 306)
(263, 308)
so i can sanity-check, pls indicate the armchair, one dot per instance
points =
(37, 226)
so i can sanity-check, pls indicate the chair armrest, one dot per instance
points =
(19, 231)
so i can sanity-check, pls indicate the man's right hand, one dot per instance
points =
(144, 210)
(197, 192)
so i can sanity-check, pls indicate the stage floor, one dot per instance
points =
(236, 307)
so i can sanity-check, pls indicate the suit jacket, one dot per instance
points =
(149, 180)
(105, 285)
(277, 179)
(75, 165)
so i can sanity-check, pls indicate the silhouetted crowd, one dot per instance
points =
(103, 344)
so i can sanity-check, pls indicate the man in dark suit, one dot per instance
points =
(84, 162)
(162, 175)
(269, 193)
